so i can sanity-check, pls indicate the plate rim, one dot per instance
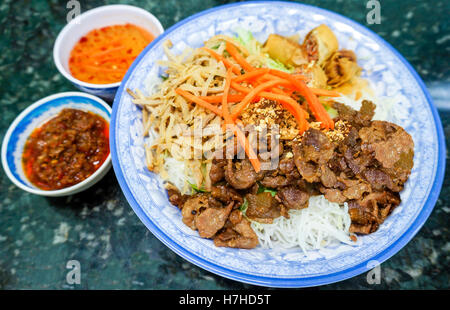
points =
(286, 282)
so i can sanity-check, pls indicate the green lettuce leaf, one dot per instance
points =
(247, 39)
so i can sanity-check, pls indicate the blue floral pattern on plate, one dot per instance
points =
(389, 74)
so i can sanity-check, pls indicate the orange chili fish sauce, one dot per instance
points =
(104, 55)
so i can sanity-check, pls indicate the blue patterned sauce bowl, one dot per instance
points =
(93, 19)
(33, 117)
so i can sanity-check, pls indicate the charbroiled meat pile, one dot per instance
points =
(216, 215)
(371, 166)
(363, 162)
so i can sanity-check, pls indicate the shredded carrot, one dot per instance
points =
(240, 88)
(227, 118)
(291, 105)
(281, 92)
(199, 101)
(247, 90)
(237, 44)
(288, 84)
(230, 48)
(251, 75)
(226, 89)
(320, 113)
(247, 148)
(237, 132)
(225, 61)
(286, 91)
(288, 103)
(299, 114)
(316, 107)
(218, 98)
(296, 76)
(249, 97)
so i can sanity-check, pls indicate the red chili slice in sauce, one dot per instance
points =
(66, 150)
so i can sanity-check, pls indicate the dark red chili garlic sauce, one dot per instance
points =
(66, 149)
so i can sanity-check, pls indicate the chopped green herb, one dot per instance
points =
(196, 189)
(262, 189)
(244, 206)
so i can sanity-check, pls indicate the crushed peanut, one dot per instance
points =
(267, 113)
(341, 130)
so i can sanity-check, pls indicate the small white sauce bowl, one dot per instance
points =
(33, 117)
(103, 16)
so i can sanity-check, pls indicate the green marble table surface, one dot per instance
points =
(99, 229)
